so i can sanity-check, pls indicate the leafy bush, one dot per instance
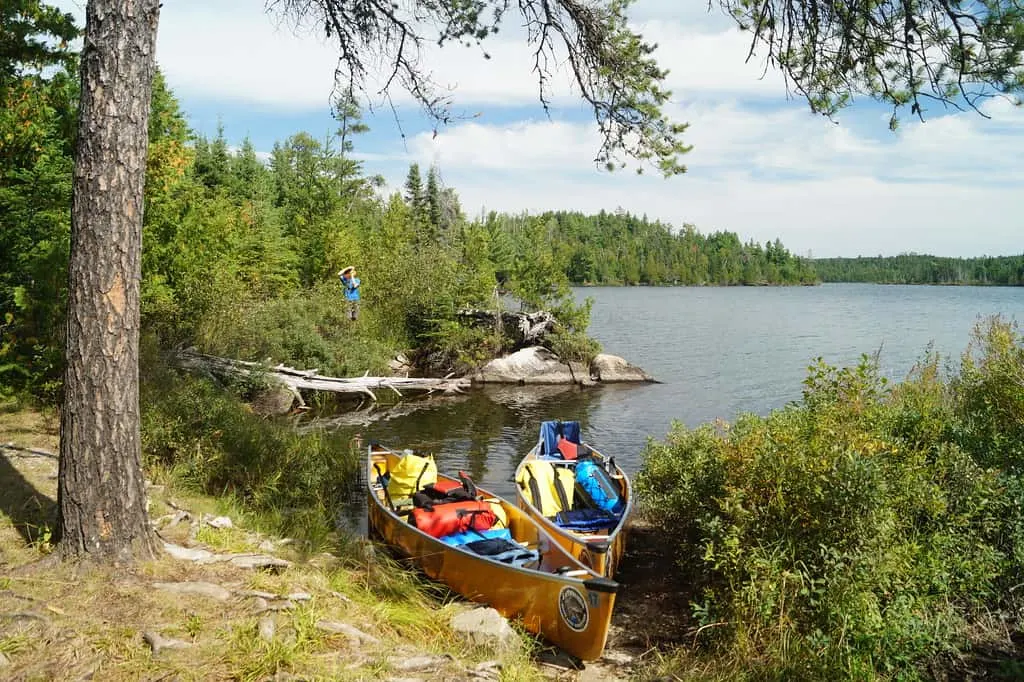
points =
(850, 535)
(990, 396)
(311, 330)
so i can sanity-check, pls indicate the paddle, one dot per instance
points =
(384, 486)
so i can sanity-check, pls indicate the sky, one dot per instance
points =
(763, 166)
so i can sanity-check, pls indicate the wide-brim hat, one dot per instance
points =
(344, 270)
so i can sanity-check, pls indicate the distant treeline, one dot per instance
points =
(620, 248)
(921, 269)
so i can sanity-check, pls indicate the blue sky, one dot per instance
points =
(763, 166)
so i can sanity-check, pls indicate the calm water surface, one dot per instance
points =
(717, 351)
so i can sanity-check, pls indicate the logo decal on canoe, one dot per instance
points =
(573, 609)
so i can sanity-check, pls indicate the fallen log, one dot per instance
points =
(296, 380)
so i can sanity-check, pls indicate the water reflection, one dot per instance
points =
(484, 433)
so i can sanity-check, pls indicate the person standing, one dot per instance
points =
(350, 283)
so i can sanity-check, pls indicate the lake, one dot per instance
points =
(717, 352)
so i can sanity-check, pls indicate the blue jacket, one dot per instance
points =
(351, 285)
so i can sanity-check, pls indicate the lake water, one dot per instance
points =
(717, 352)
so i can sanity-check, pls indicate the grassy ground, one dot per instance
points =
(65, 623)
(68, 624)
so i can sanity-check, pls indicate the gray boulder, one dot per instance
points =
(274, 401)
(400, 366)
(608, 369)
(485, 626)
(533, 365)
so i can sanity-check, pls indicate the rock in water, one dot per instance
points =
(608, 368)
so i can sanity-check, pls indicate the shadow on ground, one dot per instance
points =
(653, 608)
(31, 512)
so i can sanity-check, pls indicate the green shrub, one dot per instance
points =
(990, 396)
(859, 532)
(210, 441)
(308, 330)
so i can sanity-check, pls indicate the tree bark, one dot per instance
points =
(101, 490)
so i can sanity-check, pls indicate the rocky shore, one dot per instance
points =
(538, 365)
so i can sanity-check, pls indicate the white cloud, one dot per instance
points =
(855, 215)
(231, 50)
(948, 186)
(693, 15)
(761, 167)
(729, 136)
(702, 63)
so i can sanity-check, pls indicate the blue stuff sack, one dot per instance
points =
(596, 483)
(456, 539)
(585, 519)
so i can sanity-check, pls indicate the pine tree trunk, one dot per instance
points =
(101, 489)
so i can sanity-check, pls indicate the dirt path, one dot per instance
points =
(652, 613)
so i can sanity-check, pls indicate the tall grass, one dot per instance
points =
(861, 532)
(208, 439)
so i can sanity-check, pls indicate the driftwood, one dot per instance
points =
(524, 329)
(296, 380)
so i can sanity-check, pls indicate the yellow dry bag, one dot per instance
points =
(550, 489)
(411, 474)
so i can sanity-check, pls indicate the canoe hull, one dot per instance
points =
(573, 613)
(601, 552)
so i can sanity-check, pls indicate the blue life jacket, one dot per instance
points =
(599, 486)
(463, 537)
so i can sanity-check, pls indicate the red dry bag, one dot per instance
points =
(454, 517)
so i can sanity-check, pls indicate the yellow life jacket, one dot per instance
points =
(548, 488)
(410, 475)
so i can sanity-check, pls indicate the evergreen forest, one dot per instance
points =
(912, 268)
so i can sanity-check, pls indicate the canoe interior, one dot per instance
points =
(599, 548)
(523, 529)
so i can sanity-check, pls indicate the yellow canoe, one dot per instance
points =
(599, 547)
(554, 597)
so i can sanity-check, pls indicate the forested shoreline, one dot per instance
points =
(915, 268)
(614, 248)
